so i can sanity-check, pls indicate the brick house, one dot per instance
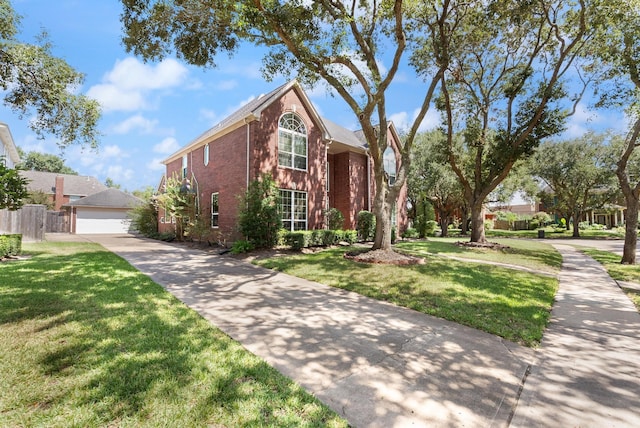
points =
(316, 163)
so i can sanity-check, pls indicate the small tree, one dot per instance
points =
(366, 225)
(259, 219)
(40, 198)
(179, 202)
(13, 187)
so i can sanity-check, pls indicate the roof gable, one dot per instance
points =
(76, 185)
(109, 198)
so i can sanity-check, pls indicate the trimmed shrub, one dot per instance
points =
(410, 233)
(366, 225)
(10, 245)
(348, 236)
(318, 238)
(144, 219)
(335, 219)
(430, 227)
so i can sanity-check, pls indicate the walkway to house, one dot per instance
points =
(383, 366)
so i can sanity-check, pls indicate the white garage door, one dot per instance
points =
(98, 220)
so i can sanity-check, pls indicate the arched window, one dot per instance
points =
(292, 142)
(390, 164)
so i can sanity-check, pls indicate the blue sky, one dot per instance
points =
(151, 110)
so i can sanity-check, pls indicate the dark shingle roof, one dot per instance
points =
(109, 198)
(343, 135)
(76, 185)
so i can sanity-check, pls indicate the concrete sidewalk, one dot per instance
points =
(383, 366)
(588, 368)
(376, 364)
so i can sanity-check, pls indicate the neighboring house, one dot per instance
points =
(316, 164)
(103, 212)
(8, 151)
(62, 188)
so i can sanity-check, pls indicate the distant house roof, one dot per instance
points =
(75, 185)
(9, 148)
(109, 198)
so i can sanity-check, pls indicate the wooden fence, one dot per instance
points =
(33, 221)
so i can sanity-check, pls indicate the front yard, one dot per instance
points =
(507, 302)
(87, 340)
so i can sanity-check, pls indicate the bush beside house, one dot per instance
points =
(10, 245)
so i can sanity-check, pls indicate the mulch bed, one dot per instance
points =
(383, 257)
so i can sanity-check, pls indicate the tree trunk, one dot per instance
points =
(382, 211)
(576, 225)
(477, 223)
(464, 223)
(630, 230)
(444, 226)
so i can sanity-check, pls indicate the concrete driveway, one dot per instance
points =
(376, 364)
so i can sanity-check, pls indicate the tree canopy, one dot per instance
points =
(42, 87)
(46, 162)
(13, 187)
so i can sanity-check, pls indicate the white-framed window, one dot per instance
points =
(206, 154)
(292, 142)
(293, 209)
(389, 158)
(215, 214)
(185, 164)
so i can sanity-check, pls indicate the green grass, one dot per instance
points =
(86, 340)
(509, 303)
(530, 254)
(551, 233)
(618, 271)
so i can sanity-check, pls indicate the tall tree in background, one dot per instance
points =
(36, 161)
(355, 47)
(13, 187)
(577, 174)
(432, 179)
(617, 48)
(504, 89)
(39, 86)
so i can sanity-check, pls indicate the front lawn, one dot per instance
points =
(87, 340)
(526, 253)
(509, 303)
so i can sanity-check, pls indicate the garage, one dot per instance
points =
(104, 212)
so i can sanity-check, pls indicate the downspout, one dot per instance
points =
(248, 140)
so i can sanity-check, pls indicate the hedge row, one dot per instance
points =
(318, 238)
(10, 245)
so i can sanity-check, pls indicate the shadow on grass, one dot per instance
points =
(137, 352)
(513, 305)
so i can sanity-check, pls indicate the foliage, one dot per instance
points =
(433, 186)
(179, 202)
(335, 219)
(10, 245)
(46, 162)
(111, 184)
(242, 246)
(144, 219)
(366, 225)
(410, 233)
(42, 87)
(103, 345)
(576, 175)
(503, 91)
(13, 187)
(542, 217)
(318, 238)
(259, 219)
(38, 197)
(430, 228)
(510, 303)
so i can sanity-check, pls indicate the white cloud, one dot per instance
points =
(209, 115)
(403, 122)
(166, 146)
(119, 174)
(156, 164)
(127, 86)
(145, 126)
(112, 151)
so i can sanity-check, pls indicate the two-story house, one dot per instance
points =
(316, 163)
